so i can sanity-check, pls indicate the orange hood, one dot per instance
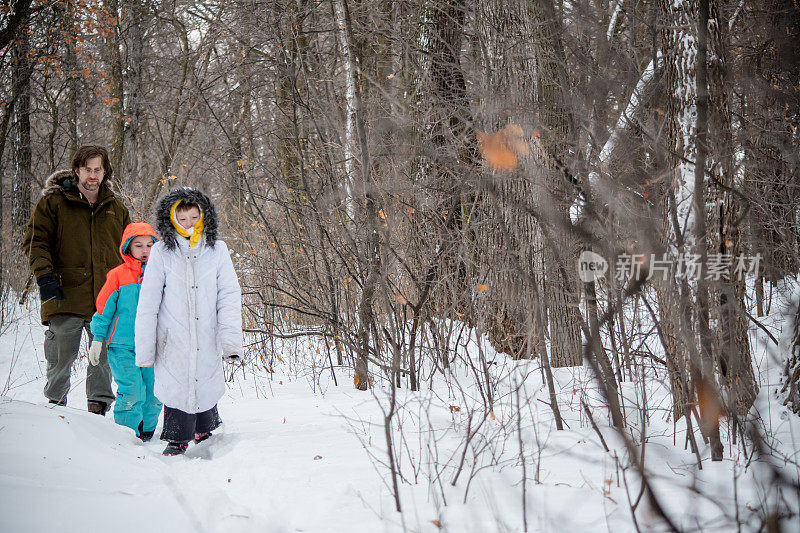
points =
(134, 229)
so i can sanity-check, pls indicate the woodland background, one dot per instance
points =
(393, 174)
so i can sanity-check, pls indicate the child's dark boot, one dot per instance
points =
(143, 435)
(176, 448)
(200, 437)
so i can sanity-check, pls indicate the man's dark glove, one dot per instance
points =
(49, 288)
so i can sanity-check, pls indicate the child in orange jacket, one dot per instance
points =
(136, 406)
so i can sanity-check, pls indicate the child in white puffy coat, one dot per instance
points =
(189, 317)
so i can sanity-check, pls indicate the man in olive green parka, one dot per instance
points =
(72, 241)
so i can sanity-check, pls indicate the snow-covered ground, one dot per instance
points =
(297, 453)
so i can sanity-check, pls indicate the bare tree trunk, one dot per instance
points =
(350, 124)
(68, 21)
(561, 254)
(680, 58)
(116, 96)
(387, 422)
(768, 101)
(372, 278)
(668, 291)
(677, 358)
(23, 173)
(4, 128)
(725, 235)
(290, 60)
(701, 244)
(515, 312)
(20, 79)
(685, 44)
(539, 326)
(134, 12)
(455, 143)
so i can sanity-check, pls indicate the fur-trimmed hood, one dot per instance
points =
(65, 182)
(193, 196)
(58, 180)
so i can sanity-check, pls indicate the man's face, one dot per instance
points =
(140, 246)
(188, 217)
(91, 174)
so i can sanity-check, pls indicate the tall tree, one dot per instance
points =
(679, 46)
(115, 98)
(366, 318)
(707, 385)
(725, 236)
(66, 16)
(22, 70)
(136, 22)
(558, 141)
(454, 147)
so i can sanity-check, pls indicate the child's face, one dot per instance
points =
(188, 217)
(140, 246)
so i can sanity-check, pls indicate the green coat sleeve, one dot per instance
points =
(36, 243)
(126, 216)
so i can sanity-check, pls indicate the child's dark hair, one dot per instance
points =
(185, 206)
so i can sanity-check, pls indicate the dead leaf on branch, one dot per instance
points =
(710, 404)
(502, 150)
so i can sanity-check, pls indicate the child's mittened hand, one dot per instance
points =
(94, 352)
(232, 357)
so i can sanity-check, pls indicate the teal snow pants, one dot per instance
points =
(136, 402)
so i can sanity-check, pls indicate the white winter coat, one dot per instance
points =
(189, 314)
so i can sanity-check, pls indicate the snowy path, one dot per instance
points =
(294, 457)
(284, 462)
(289, 457)
(258, 473)
(66, 469)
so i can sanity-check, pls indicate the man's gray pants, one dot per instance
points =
(61, 343)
